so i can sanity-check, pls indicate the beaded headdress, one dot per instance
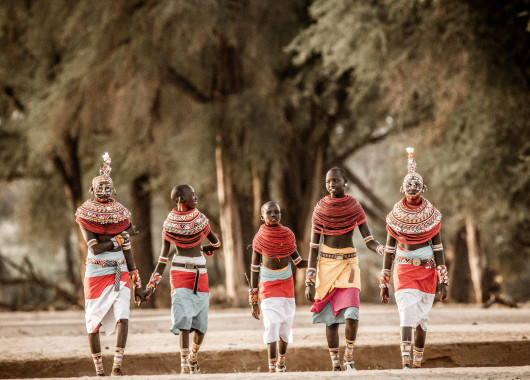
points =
(412, 174)
(104, 173)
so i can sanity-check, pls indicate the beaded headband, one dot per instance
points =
(104, 173)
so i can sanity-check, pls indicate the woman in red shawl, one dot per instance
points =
(110, 266)
(414, 225)
(272, 246)
(333, 278)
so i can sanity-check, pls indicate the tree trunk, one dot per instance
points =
(141, 218)
(70, 171)
(257, 199)
(460, 286)
(476, 256)
(230, 227)
(71, 272)
(312, 197)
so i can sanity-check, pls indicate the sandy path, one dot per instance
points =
(29, 341)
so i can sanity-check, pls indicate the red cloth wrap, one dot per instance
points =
(276, 288)
(337, 216)
(410, 277)
(181, 279)
(339, 298)
(94, 286)
(274, 242)
(104, 229)
(416, 238)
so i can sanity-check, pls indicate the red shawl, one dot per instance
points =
(274, 242)
(103, 218)
(186, 229)
(337, 216)
(414, 224)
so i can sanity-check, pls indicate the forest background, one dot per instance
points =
(250, 101)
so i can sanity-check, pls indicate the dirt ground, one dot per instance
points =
(463, 342)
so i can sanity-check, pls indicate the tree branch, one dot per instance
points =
(30, 276)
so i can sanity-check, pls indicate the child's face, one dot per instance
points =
(335, 183)
(271, 214)
(189, 198)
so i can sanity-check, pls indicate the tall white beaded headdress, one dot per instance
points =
(104, 173)
(412, 174)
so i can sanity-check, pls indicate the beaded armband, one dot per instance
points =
(216, 245)
(154, 281)
(91, 243)
(380, 250)
(253, 296)
(310, 277)
(297, 260)
(254, 268)
(126, 236)
(314, 245)
(441, 270)
(391, 250)
(162, 260)
(134, 277)
(117, 241)
(437, 247)
(368, 238)
(384, 279)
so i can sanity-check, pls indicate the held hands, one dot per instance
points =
(148, 293)
(139, 296)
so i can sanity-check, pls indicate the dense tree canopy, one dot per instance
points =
(251, 101)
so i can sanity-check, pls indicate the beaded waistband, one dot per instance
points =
(429, 263)
(106, 263)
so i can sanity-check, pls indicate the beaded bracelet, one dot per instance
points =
(380, 250)
(310, 277)
(117, 241)
(253, 296)
(384, 279)
(154, 281)
(134, 277)
(441, 270)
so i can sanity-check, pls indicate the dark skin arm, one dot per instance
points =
(440, 260)
(302, 264)
(254, 279)
(384, 293)
(312, 262)
(365, 231)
